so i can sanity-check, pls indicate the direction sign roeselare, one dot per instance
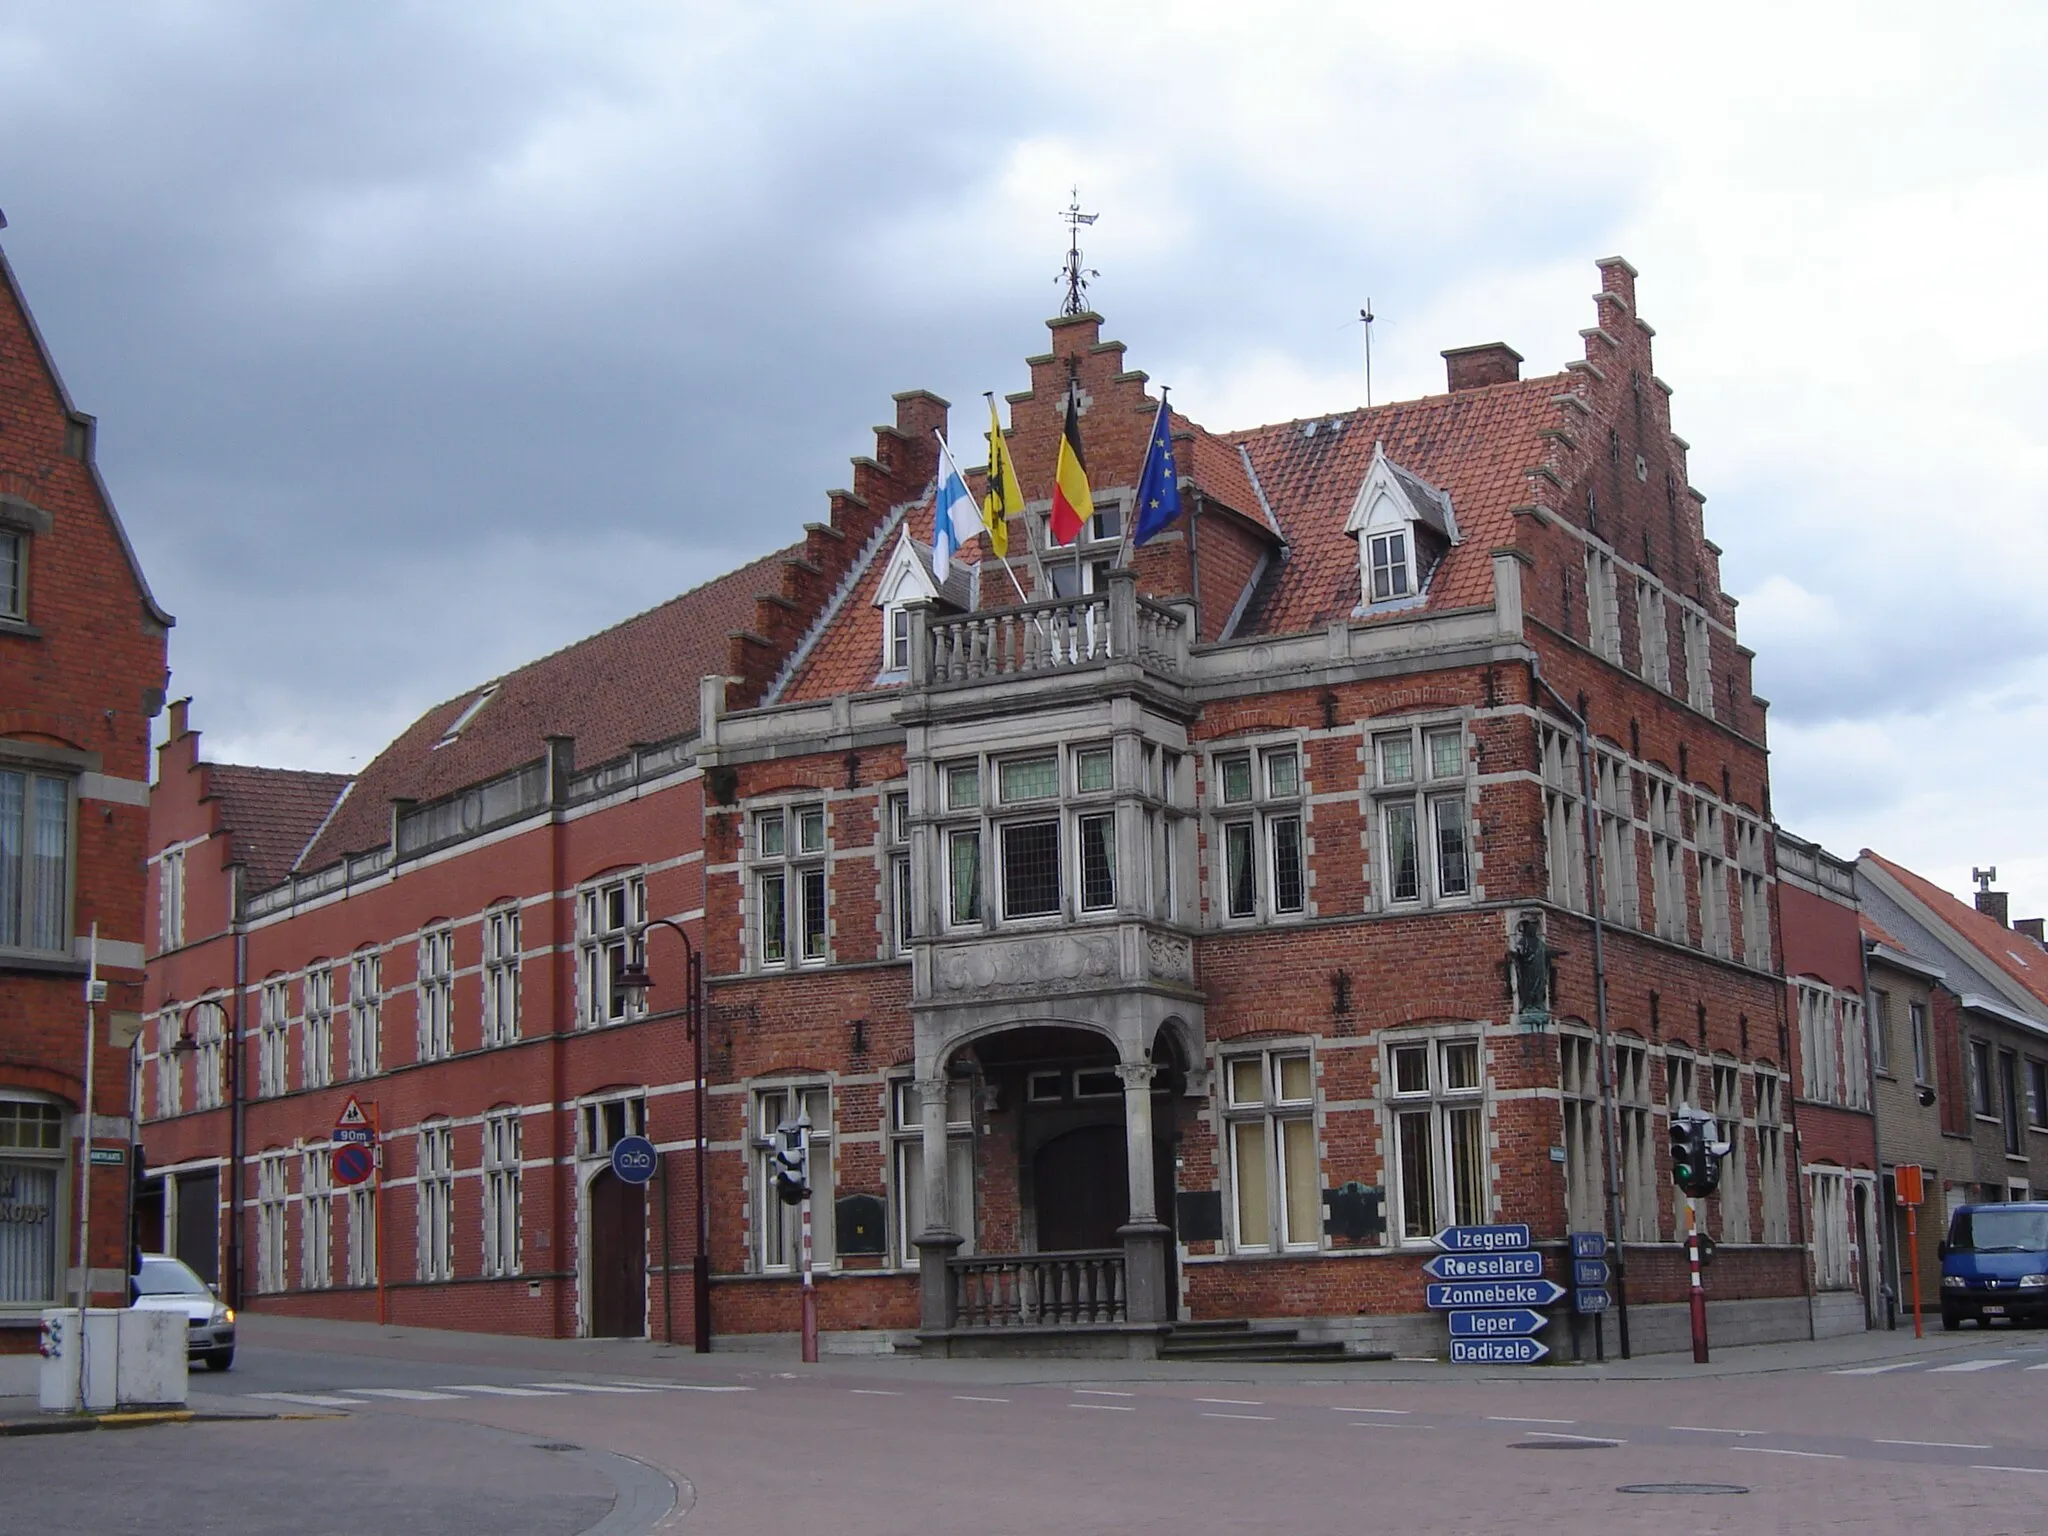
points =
(1484, 1266)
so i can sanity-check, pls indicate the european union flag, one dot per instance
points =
(1158, 483)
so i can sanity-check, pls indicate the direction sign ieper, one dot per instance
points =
(1497, 1325)
(1485, 1266)
(1492, 1293)
(1497, 1351)
(1503, 1238)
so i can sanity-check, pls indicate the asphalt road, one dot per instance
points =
(1876, 1434)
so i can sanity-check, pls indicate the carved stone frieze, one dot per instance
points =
(1050, 962)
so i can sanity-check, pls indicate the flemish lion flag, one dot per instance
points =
(1005, 497)
(1072, 502)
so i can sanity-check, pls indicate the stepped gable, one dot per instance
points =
(634, 683)
(269, 815)
(1992, 939)
(903, 468)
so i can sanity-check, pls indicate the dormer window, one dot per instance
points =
(1404, 527)
(908, 579)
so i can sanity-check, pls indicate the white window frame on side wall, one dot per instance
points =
(611, 932)
(504, 1139)
(316, 1218)
(1269, 1108)
(35, 1177)
(502, 1001)
(365, 1013)
(790, 882)
(434, 1190)
(778, 1227)
(38, 838)
(1434, 1092)
(1259, 800)
(1422, 816)
(434, 994)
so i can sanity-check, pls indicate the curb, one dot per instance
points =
(79, 1423)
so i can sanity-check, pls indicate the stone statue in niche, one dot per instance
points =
(1531, 961)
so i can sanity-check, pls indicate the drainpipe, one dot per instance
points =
(1609, 1133)
(1873, 1261)
(237, 1121)
(1792, 1113)
(561, 955)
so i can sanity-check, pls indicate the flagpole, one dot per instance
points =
(946, 450)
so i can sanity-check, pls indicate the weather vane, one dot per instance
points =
(1076, 276)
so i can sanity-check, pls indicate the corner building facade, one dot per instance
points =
(1142, 953)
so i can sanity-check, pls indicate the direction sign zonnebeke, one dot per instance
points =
(1491, 1293)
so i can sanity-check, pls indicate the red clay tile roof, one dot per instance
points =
(270, 814)
(1477, 444)
(636, 682)
(1872, 930)
(2007, 950)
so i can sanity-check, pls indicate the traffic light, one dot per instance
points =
(1696, 1153)
(793, 1162)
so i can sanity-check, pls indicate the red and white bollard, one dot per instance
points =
(810, 1293)
(1699, 1296)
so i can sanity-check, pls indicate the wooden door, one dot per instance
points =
(1082, 1189)
(198, 1237)
(618, 1258)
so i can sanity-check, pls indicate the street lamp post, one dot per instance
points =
(634, 981)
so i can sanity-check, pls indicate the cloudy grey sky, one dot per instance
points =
(427, 337)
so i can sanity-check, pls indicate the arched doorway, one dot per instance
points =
(618, 1258)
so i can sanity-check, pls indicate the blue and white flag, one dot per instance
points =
(956, 515)
(1158, 482)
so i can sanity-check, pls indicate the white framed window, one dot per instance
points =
(1699, 663)
(35, 862)
(1579, 1060)
(1754, 895)
(1667, 863)
(779, 1228)
(906, 1128)
(503, 1142)
(1614, 793)
(1564, 825)
(1653, 623)
(1421, 812)
(790, 885)
(170, 1088)
(1770, 1156)
(33, 1164)
(1388, 566)
(13, 575)
(1269, 1107)
(316, 1053)
(1849, 1017)
(1637, 1152)
(1834, 1258)
(316, 1218)
(273, 1038)
(434, 1187)
(209, 1022)
(1732, 1208)
(365, 1013)
(170, 899)
(1603, 606)
(611, 924)
(1436, 1101)
(1981, 1104)
(1259, 827)
(1923, 1043)
(434, 994)
(896, 638)
(501, 975)
(362, 1235)
(902, 908)
(273, 1208)
(1715, 935)
(1881, 1030)
(1819, 1043)
(602, 1122)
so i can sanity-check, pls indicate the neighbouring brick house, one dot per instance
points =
(1959, 996)
(81, 674)
(1140, 952)
(1821, 940)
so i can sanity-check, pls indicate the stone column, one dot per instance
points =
(938, 1242)
(1144, 1235)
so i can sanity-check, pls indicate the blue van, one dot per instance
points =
(1995, 1264)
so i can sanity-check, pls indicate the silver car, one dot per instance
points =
(165, 1284)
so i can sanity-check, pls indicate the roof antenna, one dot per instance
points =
(1984, 877)
(1365, 319)
(1076, 276)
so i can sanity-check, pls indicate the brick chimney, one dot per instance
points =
(1993, 905)
(2031, 927)
(1493, 362)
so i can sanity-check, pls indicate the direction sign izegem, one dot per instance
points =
(1496, 1239)
(1484, 1266)
(1492, 1293)
(1513, 1324)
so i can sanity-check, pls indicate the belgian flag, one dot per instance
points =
(1072, 502)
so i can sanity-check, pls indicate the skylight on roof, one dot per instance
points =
(468, 714)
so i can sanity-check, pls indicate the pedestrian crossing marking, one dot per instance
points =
(1972, 1365)
(586, 1386)
(310, 1399)
(406, 1394)
(1877, 1370)
(511, 1391)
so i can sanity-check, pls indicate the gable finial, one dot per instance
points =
(1075, 276)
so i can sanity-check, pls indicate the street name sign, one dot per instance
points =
(1589, 1273)
(1497, 1325)
(1590, 1299)
(1497, 1351)
(108, 1157)
(1503, 1238)
(634, 1159)
(1485, 1266)
(1492, 1293)
(1589, 1245)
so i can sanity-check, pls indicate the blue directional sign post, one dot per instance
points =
(1491, 1282)
(1590, 1273)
